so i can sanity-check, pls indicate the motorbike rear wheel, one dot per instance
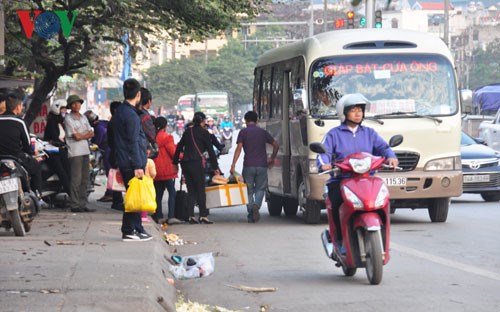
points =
(17, 224)
(374, 261)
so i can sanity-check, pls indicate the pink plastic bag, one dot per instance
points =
(115, 181)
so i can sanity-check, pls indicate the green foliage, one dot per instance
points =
(485, 65)
(102, 21)
(231, 70)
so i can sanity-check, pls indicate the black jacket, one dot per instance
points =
(52, 132)
(203, 141)
(15, 138)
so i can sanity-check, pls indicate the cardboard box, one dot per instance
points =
(220, 196)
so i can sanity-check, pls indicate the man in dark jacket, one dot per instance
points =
(15, 141)
(130, 147)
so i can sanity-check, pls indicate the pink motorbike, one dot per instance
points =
(364, 215)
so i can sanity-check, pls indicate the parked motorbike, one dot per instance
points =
(18, 204)
(226, 138)
(364, 215)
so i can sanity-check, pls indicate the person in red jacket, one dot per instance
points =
(166, 172)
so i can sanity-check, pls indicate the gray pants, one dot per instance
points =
(79, 169)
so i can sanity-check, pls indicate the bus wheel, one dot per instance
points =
(438, 209)
(310, 208)
(290, 207)
(274, 205)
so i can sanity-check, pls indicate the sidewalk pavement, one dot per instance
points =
(78, 262)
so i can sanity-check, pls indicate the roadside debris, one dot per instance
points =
(253, 289)
(194, 266)
(174, 240)
(188, 306)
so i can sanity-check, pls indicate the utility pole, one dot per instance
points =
(311, 21)
(325, 7)
(446, 22)
(370, 13)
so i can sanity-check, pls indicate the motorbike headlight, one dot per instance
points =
(350, 196)
(360, 165)
(442, 164)
(382, 195)
(313, 167)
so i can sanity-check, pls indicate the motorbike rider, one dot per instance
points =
(348, 138)
(226, 123)
(54, 134)
(212, 129)
(15, 141)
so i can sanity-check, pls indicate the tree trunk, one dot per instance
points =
(39, 96)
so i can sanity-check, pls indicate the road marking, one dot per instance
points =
(446, 262)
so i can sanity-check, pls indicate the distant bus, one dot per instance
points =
(185, 106)
(215, 104)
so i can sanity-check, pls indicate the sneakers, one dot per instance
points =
(255, 213)
(145, 219)
(136, 237)
(204, 220)
(174, 221)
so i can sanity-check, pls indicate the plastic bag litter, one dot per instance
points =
(194, 266)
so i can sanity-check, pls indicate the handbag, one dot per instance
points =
(140, 195)
(115, 181)
(181, 205)
(203, 159)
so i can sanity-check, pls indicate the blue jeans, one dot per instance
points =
(256, 180)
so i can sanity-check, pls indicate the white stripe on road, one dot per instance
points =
(446, 262)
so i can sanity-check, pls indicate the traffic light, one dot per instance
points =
(378, 19)
(350, 20)
(362, 21)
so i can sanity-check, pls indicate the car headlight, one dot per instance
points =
(350, 196)
(382, 195)
(313, 167)
(442, 164)
(360, 165)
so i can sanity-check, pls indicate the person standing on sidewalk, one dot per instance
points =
(194, 142)
(130, 147)
(78, 132)
(147, 121)
(253, 141)
(117, 203)
(166, 172)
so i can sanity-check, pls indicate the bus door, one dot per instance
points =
(285, 128)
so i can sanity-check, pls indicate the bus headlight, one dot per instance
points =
(313, 168)
(442, 164)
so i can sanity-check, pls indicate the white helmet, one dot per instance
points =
(350, 100)
(55, 108)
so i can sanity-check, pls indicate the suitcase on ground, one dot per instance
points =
(181, 204)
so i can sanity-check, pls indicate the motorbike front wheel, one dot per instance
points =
(17, 224)
(374, 261)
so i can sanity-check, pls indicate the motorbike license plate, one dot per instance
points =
(395, 181)
(8, 185)
(476, 178)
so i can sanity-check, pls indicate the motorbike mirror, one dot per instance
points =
(317, 148)
(396, 140)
